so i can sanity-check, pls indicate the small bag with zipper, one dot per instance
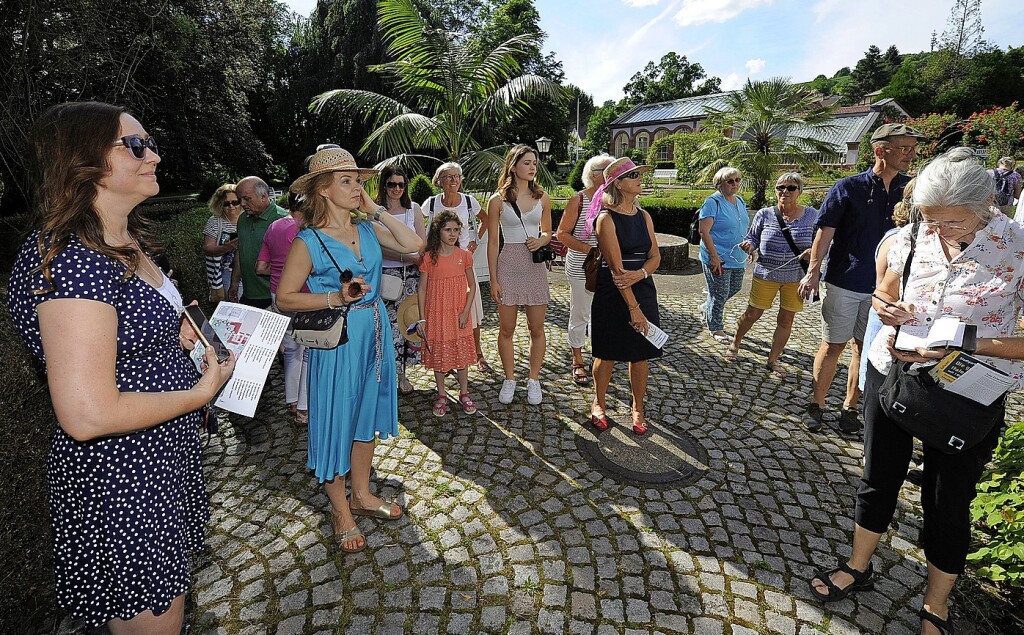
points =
(322, 328)
(543, 254)
(942, 420)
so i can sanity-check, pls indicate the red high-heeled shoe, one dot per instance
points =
(600, 422)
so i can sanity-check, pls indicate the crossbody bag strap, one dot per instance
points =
(519, 215)
(786, 233)
(328, 252)
(906, 265)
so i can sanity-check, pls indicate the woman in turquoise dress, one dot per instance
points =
(352, 388)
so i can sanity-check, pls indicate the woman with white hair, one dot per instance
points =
(570, 232)
(723, 226)
(448, 177)
(964, 257)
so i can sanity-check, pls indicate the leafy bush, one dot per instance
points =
(998, 513)
(1001, 130)
(670, 215)
(576, 176)
(420, 188)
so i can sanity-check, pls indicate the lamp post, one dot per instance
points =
(543, 146)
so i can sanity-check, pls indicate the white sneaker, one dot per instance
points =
(533, 393)
(508, 390)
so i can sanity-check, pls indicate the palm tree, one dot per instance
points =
(448, 92)
(772, 123)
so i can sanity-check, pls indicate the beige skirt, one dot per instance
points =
(523, 281)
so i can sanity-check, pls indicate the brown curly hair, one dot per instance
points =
(433, 245)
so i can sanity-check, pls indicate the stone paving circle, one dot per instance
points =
(510, 529)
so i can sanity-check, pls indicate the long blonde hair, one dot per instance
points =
(506, 180)
(216, 203)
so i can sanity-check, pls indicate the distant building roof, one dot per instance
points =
(676, 109)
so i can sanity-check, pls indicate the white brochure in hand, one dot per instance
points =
(655, 335)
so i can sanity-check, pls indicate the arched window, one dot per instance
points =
(643, 142)
(621, 144)
(663, 151)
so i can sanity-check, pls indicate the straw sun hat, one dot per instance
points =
(408, 314)
(331, 160)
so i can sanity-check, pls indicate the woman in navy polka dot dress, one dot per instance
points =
(126, 494)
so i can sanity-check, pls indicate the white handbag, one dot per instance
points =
(391, 287)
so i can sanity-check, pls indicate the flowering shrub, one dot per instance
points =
(934, 126)
(1000, 129)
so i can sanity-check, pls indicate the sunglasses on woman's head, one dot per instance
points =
(392, 185)
(232, 203)
(138, 145)
(787, 188)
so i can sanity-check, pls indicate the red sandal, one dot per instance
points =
(599, 421)
(468, 405)
(441, 406)
(639, 425)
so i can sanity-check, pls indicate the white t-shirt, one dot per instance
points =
(470, 222)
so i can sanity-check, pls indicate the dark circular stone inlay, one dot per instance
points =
(663, 455)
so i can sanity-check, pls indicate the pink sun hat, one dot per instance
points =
(615, 169)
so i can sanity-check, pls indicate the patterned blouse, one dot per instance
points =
(984, 285)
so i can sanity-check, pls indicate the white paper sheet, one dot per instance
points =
(254, 336)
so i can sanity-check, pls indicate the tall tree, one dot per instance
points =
(674, 77)
(963, 34)
(188, 69)
(870, 74)
(449, 93)
(599, 135)
(769, 123)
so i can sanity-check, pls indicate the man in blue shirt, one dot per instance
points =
(855, 215)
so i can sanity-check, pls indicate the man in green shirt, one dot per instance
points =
(260, 211)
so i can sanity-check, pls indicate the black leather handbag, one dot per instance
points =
(942, 420)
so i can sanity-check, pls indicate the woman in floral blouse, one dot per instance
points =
(966, 264)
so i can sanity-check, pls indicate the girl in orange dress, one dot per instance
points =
(446, 294)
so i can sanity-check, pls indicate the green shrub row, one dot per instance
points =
(670, 216)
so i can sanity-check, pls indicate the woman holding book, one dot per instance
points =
(964, 264)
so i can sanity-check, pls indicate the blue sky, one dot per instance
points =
(603, 42)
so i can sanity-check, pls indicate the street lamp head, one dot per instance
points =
(543, 145)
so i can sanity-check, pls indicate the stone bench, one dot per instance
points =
(675, 252)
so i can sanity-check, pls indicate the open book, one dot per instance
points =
(253, 335)
(920, 333)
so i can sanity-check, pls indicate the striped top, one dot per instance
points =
(574, 259)
(218, 229)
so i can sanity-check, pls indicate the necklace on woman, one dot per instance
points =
(145, 266)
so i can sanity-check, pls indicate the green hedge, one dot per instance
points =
(670, 216)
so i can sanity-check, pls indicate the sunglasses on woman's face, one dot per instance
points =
(138, 145)
(234, 203)
(786, 188)
(393, 185)
(731, 181)
(635, 174)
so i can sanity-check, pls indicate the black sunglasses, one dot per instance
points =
(788, 188)
(138, 145)
(635, 174)
(395, 186)
(232, 203)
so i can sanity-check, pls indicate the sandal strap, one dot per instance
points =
(859, 577)
(944, 625)
(466, 400)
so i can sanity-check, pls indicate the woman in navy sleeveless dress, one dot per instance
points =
(353, 395)
(126, 495)
(625, 300)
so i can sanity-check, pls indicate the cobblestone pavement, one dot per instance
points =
(509, 530)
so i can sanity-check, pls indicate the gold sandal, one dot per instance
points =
(383, 512)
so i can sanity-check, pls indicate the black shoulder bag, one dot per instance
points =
(943, 420)
(543, 254)
(323, 328)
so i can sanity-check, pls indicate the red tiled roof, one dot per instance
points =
(850, 110)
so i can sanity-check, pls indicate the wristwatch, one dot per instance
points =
(380, 210)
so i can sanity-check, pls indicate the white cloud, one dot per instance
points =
(732, 81)
(696, 12)
(641, 3)
(755, 66)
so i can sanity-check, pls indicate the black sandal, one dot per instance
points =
(861, 582)
(945, 626)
